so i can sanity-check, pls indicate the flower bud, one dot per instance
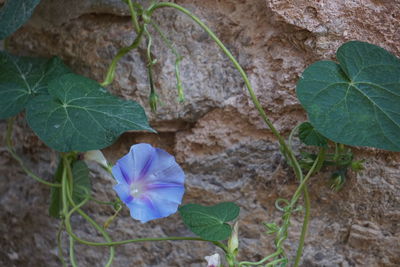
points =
(337, 180)
(357, 165)
(233, 242)
(153, 101)
(96, 156)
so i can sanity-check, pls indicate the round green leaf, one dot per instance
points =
(13, 99)
(356, 102)
(21, 78)
(210, 223)
(14, 14)
(79, 115)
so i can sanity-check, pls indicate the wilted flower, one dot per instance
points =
(213, 260)
(150, 182)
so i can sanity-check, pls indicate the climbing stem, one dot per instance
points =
(68, 193)
(134, 18)
(102, 202)
(59, 244)
(112, 217)
(292, 133)
(136, 240)
(72, 252)
(287, 151)
(288, 210)
(10, 148)
(304, 228)
(307, 204)
(150, 63)
(178, 59)
(306, 178)
(275, 262)
(253, 97)
(123, 242)
(64, 187)
(122, 52)
(153, 98)
(249, 263)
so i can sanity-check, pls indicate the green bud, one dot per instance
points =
(146, 18)
(153, 101)
(271, 228)
(357, 165)
(337, 180)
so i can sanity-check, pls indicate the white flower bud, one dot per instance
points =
(96, 156)
(233, 242)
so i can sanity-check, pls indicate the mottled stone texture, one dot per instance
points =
(225, 149)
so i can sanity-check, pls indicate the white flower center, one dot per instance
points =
(136, 189)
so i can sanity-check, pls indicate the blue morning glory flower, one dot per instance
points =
(150, 182)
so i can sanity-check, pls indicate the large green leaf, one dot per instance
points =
(14, 14)
(310, 136)
(355, 102)
(210, 223)
(80, 115)
(21, 78)
(81, 184)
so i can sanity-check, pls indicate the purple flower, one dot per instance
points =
(150, 182)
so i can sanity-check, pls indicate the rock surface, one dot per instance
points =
(227, 152)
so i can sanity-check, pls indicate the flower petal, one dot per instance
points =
(123, 193)
(166, 200)
(160, 193)
(119, 175)
(151, 160)
(169, 174)
(142, 209)
(143, 155)
(125, 171)
(213, 260)
(150, 208)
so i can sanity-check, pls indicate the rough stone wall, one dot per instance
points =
(227, 152)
